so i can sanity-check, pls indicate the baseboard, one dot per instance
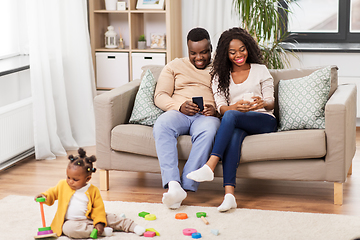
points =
(14, 160)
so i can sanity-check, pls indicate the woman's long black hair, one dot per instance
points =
(222, 66)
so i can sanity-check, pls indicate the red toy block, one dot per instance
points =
(149, 234)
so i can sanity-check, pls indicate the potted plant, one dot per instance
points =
(142, 42)
(264, 21)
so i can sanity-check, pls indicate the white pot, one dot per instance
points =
(141, 44)
(110, 5)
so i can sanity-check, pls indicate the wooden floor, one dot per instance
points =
(31, 177)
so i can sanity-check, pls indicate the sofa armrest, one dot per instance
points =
(111, 109)
(340, 129)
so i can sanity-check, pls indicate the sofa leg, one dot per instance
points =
(104, 180)
(338, 193)
(350, 170)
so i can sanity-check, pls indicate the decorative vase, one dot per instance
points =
(110, 5)
(141, 44)
(121, 43)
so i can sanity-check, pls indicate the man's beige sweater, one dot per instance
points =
(179, 81)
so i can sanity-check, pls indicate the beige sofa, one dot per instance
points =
(299, 155)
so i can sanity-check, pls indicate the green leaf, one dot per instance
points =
(263, 21)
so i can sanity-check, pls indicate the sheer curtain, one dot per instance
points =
(215, 16)
(62, 78)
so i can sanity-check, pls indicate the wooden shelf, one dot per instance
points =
(112, 50)
(107, 11)
(153, 50)
(149, 50)
(147, 11)
(133, 23)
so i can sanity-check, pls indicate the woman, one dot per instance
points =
(237, 73)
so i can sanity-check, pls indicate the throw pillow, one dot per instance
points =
(302, 101)
(144, 111)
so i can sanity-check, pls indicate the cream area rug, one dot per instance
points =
(20, 219)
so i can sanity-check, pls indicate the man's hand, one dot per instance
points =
(189, 108)
(209, 110)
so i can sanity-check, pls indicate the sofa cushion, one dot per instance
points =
(285, 74)
(297, 144)
(144, 111)
(138, 139)
(302, 101)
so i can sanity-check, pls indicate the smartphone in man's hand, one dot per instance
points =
(199, 101)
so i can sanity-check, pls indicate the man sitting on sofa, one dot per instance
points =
(179, 81)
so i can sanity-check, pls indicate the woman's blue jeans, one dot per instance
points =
(234, 127)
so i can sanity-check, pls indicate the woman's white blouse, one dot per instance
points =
(259, 82)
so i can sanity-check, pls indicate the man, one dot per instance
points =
(179, 81)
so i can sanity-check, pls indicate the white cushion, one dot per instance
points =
(144, 111)
(302, 101)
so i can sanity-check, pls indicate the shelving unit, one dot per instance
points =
(132, 23)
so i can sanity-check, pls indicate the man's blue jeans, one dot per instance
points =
(235, 126)
(168, 127)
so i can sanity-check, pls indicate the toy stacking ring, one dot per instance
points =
(181, 216)
(196, 235)
(150, 217)
(189, 231)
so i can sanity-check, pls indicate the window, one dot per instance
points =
(13, 39)
(323, 21)
(8, 18)
(355, 18)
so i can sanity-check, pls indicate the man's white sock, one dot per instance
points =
(202, 174)
(174, 196)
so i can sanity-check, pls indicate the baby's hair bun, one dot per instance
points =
(82, 153)
(90, 159)
(71, 157)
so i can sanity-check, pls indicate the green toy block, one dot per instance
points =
(200, 214)
(94, 233)
(44, 229)
(40, 199)
(152, 230)
(143, 214)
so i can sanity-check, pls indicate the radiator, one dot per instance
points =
(16, 131)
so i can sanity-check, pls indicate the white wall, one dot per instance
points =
(213, 15)
(14, 87)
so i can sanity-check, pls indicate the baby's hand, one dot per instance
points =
(39, 196)
(100, 227)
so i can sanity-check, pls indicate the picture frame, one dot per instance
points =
(157, 40)
(121, 6)
(150, 4)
